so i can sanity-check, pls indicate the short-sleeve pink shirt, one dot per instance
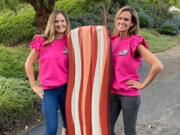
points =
(125, 64)
(53, 62)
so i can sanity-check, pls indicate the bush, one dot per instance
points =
(80, 12)
(146, 21)
(175, 21)
(169, 29)
(175, 14)
(12, 62)
(17, 28)
(84, 20)
(4, 15)
(16, 102)
(75, 24)
(151, 15)
(110, 27)
(72, 7)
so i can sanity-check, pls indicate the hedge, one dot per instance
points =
(17, 28)
(12, 61)
(16, 102)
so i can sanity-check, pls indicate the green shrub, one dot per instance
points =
(169, 29)
(110, 27)
(160, 14)
(146, 21)
(12, 61)
(5, 15)
(72, 7)
(16, 102)
(151, 15)
(17, 28)
(75, 24)
(175, 21)
(85, 19)
(175, 14)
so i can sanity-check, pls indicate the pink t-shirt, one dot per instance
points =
(125, 64)
(53, 62)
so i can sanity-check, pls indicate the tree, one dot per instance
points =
(170, 2)
(104, 4)
(43, 8)
(107, 6)
(117, 4)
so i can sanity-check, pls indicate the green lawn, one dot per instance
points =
(158, 42)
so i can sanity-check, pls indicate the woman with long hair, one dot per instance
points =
(128, 49)
(50, 50)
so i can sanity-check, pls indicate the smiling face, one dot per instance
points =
(60, 24)
(124, 22)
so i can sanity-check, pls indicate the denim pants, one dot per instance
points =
(129, 106)
(54, 99)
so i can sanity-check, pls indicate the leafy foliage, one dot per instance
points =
(169, 28)
(153, 14)
(12, 62)
(16, 102)
(17, 28)
(175, 21)
(11, 4)
(85, 19)
(72, 7)
(146, 21)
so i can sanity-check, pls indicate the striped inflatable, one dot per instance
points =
(88, 84)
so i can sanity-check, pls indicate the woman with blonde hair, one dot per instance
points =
(50, 50)
(128, 49)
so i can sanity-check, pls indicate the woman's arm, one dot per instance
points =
(29, 67)
(156, 67)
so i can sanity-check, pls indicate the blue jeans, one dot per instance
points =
(129, 105)
(52, 100)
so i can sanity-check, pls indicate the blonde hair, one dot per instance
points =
(49, 33)
(135, 20)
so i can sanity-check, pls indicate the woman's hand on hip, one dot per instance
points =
(39, 91)
(135, 84)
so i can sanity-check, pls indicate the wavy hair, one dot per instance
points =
(49, 33)
(135, 20)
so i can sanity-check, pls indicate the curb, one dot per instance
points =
(26, 131)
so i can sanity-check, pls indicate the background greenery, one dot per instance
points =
(16, 101)
(12, 61)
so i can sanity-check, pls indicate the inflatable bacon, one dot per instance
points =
(88, 84)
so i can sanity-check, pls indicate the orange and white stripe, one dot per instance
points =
(88, 84)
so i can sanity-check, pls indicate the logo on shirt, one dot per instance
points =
(123, 52)
(65, 51)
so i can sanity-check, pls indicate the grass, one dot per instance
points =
(158, 42)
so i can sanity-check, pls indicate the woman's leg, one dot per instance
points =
(50, 111)
(115, 108)
(130, 107)
(62, 103)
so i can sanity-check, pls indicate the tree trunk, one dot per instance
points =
(43, 8)
(41, 18)
(104, 15)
